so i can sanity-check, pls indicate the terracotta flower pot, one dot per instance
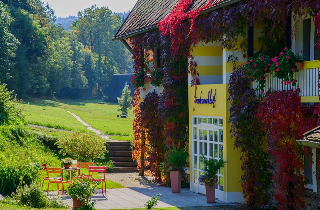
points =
(67, 166)
(211, 192)
(299, 65)
(76, 203)
(175, 178)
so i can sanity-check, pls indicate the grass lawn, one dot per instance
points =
(47, 131)
(10, 206)
(122, 138)
(101, 116)
(189, 208)
(49, 114)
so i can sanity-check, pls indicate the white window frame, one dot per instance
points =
(297, 41)
(195, 186)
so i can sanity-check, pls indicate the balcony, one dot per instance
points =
(307, 81)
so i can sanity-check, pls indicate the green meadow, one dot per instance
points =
(100, 115)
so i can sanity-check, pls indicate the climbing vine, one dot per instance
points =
(281, 116)
(140, 140)
(152, 122)
(249, 139)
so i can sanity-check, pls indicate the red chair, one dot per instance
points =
(99, 169)
(44, 168)
(84, 165)
(54, 179)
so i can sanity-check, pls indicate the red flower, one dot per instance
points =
(181, 114)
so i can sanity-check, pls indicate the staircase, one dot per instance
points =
(121, 155)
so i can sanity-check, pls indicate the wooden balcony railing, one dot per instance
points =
(307, 81)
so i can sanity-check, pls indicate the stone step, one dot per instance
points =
(121, 159)
(125, 164)
(118, 143)
(119, 148)
(124, 169)
(120, 153)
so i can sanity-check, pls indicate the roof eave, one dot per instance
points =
(220, 5)
(135, 32)
(309, 143)
(126, 45)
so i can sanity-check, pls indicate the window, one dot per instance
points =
(305, 41)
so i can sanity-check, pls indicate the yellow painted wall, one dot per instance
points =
(232, 170)
(209, 58)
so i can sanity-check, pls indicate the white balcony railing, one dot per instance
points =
(307, 81)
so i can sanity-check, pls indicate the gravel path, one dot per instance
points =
(89, 127)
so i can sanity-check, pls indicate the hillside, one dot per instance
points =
(66, 22)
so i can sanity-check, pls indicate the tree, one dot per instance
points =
(94, 29)
(10, 112)
(8, 44)
(125, 100)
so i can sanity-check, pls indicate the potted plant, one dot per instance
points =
(285, 65)
(66, 163)
(139, 79)
(80, 190)
(209, 178)
(177, 159)
(156, 75)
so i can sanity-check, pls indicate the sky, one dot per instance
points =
(65, 8)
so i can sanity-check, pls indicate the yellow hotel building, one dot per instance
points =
(209, 130)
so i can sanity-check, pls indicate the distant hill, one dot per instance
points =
(123, 15)
(66, 21)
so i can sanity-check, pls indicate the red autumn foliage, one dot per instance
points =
(281, 116)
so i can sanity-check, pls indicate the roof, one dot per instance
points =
(311, 138)
(313, 135)
(117, 84)
(146, 14)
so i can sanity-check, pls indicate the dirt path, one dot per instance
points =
(89, 127)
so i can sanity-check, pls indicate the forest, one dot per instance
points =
(40, 58)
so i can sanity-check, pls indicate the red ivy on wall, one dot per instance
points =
(141, 149)
(151, 120)
(281, 116)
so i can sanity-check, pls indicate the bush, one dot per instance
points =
(32, 195)
(47, 141)
(82, 147)
(12, 177)
(17, 150)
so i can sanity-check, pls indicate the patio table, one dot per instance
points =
(71, 169)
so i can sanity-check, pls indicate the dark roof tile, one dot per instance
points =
(146, 14)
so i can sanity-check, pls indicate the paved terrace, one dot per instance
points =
(140, 189)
